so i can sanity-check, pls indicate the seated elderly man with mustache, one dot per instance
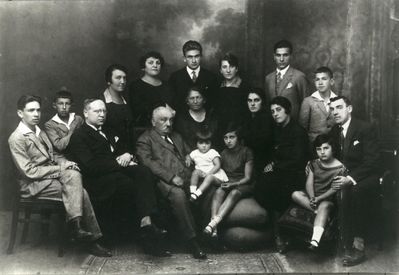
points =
(166, 154)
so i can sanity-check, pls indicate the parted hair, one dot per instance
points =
(191, 45)
(111, 68)
(25, 99)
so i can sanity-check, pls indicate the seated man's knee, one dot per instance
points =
(177, 194)
(219, 192)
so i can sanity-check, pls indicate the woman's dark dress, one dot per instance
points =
(188, 127)
(143, 97)
(274, 189)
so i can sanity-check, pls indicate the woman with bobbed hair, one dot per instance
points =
(196, 119)
(285, 173)
(257, 128)
(232, 93)
(149, 90)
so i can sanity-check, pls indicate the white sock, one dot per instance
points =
(193, 188)
(317, 233)
(215, 221)
(358, 243)
(198, 192)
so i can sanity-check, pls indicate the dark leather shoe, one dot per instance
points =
(281, 245)
(196, 250)
(97, 250)
(77, 233)
(354, 257)
(152, 232)
(154, 248)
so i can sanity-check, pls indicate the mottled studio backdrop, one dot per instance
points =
(45, 45)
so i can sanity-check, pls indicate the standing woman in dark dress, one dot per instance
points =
(286, 172)
(232, 93)
(119, 114)
(196, 118)
(257, 129)
(149, 90)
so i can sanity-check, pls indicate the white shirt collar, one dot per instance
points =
(25, 129)
(190, 71)
(345, 126)
(326, 102)
(318, 96)
(108, 97)
(57, 119)
(283, 71)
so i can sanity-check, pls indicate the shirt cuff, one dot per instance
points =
(352, 180)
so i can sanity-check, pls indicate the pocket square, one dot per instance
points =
(289, 85)
(116, 138)
(356, 142)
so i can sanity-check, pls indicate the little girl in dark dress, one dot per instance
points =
(319, 195)
(237, 162)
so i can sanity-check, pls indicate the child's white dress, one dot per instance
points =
(204, 163)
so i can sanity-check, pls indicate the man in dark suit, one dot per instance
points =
(193, 74)
(166, 154)
(360, 154)
(116, 184)
(285, 80)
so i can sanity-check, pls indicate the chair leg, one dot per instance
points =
(25, 229)
(13, 233)
(62, 236)
(45, 226)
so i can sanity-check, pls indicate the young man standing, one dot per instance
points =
(193, 74)
(285, 80)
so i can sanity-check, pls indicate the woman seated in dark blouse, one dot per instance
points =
(149, 90)
(196, 119)
(119, 115)
(232, 93)
(286, 172)
(257, 129)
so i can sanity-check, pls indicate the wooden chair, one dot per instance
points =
(43, 206)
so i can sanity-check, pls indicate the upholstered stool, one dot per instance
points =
(247, 226)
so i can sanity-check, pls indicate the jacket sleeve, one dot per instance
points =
(304, 114)
(79, 148)
(27, 167)
(146, 157)
(302, 87)
(60, 143)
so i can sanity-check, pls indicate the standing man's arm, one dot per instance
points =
(302, 87)
(304, 114)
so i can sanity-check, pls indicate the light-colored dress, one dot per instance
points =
(204, 162)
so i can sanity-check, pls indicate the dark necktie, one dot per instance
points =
(103, 134)
(278, 82)
(194, 76)
(341, 140)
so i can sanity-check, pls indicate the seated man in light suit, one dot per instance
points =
(360, 154)
(47, 176)
(166, 154)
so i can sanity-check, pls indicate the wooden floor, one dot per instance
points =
(34, 258)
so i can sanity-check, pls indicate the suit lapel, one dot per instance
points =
(164, 143)
(287, 78)
(349, 136)
(39, 145)
(321, 106)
